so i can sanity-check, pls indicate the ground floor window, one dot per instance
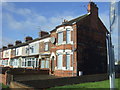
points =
(59, 62)
(14, 62)
(30, 62)
(4, 62)
(45, 63)
(24, 62)
(67, 61)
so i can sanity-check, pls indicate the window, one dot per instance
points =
(59, 63)
(24, 62)
(67, 61)
(60, 37)
(32, 49)
(17, 51)
(4, 62)
(15, 62)
(68, 36)
(46, 47)
(26, 50)
(45, 63)
(29, 63)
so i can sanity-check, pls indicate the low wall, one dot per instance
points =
(3, 79)
(7, 74)
(19, 71)
(42, 84)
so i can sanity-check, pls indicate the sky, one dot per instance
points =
(21, 19)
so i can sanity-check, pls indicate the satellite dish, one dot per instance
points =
(52, 40)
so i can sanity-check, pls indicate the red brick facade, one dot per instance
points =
(89, 43)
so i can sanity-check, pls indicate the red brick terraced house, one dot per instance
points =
(73, 48)
(79, 45)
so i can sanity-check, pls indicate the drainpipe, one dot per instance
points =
(73, 54)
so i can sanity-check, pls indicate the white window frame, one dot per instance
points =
(68, 42)
(60, 38)
(68, 67)
(45, 63)
(60, 61)
(46, 46)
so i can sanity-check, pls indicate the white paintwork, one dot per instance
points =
(35, 46)
(24, 50)
(7, 54)
(64, 51)
(45, 40)
(19, 50)
(64, 68)
(63, 28)
(53, 55)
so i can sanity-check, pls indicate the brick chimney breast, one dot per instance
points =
(18, 42)
(43, 33)
(10, 45)
(28, 38)
(92, 8)
(4, 47)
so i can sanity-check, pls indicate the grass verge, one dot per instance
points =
(100, 84)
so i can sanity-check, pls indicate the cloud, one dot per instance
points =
(25, 21)
(32, 18)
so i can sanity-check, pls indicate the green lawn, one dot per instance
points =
(100, 84)
(3, 86)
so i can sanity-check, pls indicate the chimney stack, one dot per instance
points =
(18, 42)
(43, 33)
(28, 38)
(64, 21)
(4, 47)
(92, 8)
(10, 45)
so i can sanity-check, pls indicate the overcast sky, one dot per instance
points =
(21, 19)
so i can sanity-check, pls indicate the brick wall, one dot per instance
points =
(3, 78)
(91, 46)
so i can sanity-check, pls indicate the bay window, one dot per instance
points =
(46, 47)
(68, 36)
(67, 61)
(59, 62)
(60, 37)
(45, 63)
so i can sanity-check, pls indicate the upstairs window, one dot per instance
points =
(68, 36)
(32, 49)
(17, 51)
(60, 62)
(60, 37)
(46, 47)
(26, 50)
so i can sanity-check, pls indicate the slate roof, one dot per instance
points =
(72, 21)
(76, 19)
(65, 23)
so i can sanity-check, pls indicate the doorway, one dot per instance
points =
(52, 65)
